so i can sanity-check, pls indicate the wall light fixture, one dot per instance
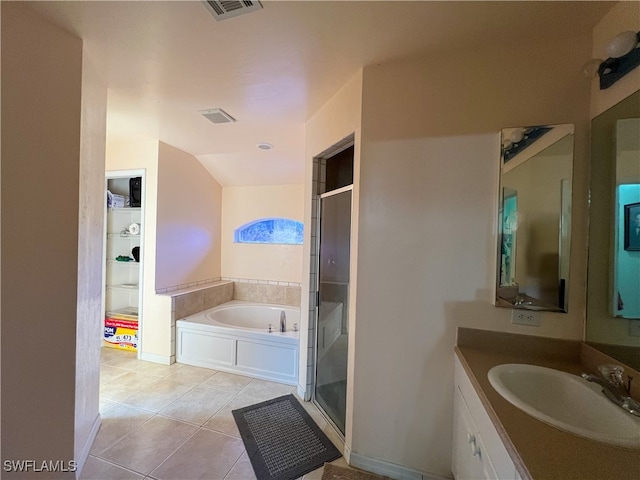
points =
(624, 56)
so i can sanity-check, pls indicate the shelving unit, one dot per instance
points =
(122, 296)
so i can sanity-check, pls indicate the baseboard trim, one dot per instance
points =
(346, 453)
(302, 393)
(152, 357)
(82, 457)
(388, 469)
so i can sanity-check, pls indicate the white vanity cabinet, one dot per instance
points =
(478, 452)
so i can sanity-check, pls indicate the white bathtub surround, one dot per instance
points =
(186, 286)
(196, 299)
(266, 291)
(234, 337)
(207, 294)
(181, 303)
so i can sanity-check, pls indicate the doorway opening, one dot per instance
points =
(333, 192)
(123, 260)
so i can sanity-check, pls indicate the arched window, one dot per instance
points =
(270, 230)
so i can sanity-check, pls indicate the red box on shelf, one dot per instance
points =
(121, 331)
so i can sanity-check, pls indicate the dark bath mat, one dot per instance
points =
(282, 440)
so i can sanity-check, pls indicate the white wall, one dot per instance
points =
(41, 131)
(188, 220)
(427, 242)
(90, 266)
(242, 205)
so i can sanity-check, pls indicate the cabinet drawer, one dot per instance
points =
(470, 457)
(486, 436)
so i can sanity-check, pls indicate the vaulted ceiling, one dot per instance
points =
(165, 61)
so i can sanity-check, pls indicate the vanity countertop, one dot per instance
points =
(540, 451)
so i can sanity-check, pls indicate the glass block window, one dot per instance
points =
(270, 230)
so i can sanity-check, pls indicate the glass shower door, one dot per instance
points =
(330, 392)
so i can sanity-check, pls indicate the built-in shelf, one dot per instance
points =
(123, 279)
(113, 236)
(123, 210)
(124, 288)
(131, 311)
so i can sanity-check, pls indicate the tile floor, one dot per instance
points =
(174, 422)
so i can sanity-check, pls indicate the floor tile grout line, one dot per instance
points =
(137, 407)
(178, 448)
(125, 435)
(169, 417)
(207, 388)
(120, 402)
(233, 396)
(111, 462)
(154, 382)
(226, 434)
(144, 410)
(133, 431)
(235, 463)
(174, 451)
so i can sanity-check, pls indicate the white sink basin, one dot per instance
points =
(567, 402)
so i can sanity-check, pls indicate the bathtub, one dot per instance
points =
(234, 337)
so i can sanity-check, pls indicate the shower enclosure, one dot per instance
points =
(333, 300)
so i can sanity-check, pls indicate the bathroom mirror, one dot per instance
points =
(534, 217)
(613, 282)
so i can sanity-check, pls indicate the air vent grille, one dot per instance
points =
(224, 9)
(217, 115)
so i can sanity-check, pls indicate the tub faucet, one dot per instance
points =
(283, 321)
(614, 388)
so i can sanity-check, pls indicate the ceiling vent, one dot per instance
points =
(217, 115)
(223, 9)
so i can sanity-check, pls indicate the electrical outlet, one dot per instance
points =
(525, 317)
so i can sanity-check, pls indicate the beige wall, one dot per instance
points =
(155, 339)
(41, 125)
(188, 221)
(182, 209)
(90, 266)
(339, 118)
(427, 242)
(242, 205)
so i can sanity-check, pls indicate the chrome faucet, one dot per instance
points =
(283, 321)
(614, 388)
(520, 300)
